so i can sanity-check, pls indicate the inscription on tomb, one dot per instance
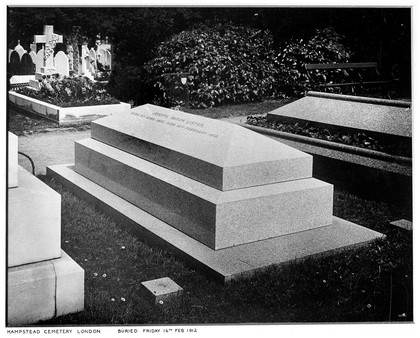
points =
(176, 122)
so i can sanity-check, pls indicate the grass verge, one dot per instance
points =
(369, 284)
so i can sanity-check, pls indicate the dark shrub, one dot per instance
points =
(69, 92)
(324, 47)
(227, 64)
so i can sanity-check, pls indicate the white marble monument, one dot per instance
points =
(42, 280)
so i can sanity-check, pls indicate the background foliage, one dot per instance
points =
(324, 47)
(372, 34)
(226, 63)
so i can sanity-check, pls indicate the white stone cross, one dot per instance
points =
(49, 39)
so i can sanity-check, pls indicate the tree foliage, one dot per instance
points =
(373, 34)
(226, 63)
(323, 47)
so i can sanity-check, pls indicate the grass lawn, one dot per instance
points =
(373, 283)
(369, 284)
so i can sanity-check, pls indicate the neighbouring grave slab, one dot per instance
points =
(67, 115)
(212, 152)
(359, 113)
(232, 230)
(161, 290)
(42, 281)
(34, 218)
(43, 290)
(403, 224)
(12, 160)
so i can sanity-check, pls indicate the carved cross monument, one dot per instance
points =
(49, 39)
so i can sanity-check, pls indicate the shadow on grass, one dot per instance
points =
(369, 284)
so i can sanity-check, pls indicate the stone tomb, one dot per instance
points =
(227, 198)
(43, 281)
(379, 116)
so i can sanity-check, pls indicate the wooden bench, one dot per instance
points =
(359, 82)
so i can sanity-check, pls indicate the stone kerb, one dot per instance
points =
(66, 115)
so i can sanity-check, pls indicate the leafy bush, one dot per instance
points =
(227, 64)
(324, 47)
(69, 92)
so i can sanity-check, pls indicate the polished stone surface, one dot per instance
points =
(226, 264)
(216, 218)
(222, 155)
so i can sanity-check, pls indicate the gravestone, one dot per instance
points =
(32, 47)
(229, 199)
(92, 61)
(61, 62)
(104, 52)
(49, 40)
(101, 54)
(39, 60)
(19, 49)
(75, 40)
(27, 65)
(14, 64)
(33, 56)
(42, 280)
(108, 59)
(85, 66)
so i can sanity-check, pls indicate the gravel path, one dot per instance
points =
(55, 147)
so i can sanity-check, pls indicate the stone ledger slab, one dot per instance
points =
(43, 290)
(224, 156)
(330, 109)
(216, 218)
(226, 264)
(34, 221)
(403, 224)
(12, 160)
